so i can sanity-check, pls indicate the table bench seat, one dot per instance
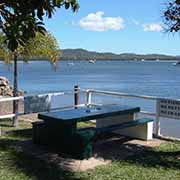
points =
(124, 125)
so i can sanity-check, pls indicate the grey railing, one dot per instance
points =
(164, 107)
(168, 109)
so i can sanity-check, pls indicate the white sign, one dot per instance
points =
(169, 108)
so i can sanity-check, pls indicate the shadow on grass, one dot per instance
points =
(7, 128)
(33, 168)
(122, 150)
(40, 169)
(21, 133)
(6, 125)
(159, 158)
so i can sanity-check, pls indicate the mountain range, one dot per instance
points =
(82, 54)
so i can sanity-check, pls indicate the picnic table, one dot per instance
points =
(60, 128)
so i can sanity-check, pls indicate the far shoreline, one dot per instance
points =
(123, 60)
(80, 54)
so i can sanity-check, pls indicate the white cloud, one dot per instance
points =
(97, 22)
(153, 27)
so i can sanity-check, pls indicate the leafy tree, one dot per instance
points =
(41, 46)
(21, 19)
(172, 15)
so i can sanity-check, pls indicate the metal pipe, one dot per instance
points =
(11, 99)
(88, 97)
(122, 94)
(128, 95)
(7, 116)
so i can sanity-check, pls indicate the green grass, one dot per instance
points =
(87, 124)
(161, 163)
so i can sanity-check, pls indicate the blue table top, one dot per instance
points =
(88, 113)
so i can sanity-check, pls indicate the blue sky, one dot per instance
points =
(118, 26)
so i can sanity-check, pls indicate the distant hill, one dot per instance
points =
(82, 54)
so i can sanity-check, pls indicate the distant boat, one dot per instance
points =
(70, 63)
(176, 63)
(157, 60)
(142, 59)
(92, 61)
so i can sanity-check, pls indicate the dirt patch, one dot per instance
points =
(29, 117)
(150, 143)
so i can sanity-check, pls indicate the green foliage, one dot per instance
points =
(172, 16)
(21, 19)
(42, 46)
(18, 28)
(5, 54)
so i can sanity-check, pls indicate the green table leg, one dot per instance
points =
(65, 137)
(79, 145)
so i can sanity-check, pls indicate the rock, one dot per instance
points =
(4, 81)
(6, 89)
(20, 93)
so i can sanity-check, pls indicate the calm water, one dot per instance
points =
(148, 78)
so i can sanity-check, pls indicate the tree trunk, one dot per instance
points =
(15, 91)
